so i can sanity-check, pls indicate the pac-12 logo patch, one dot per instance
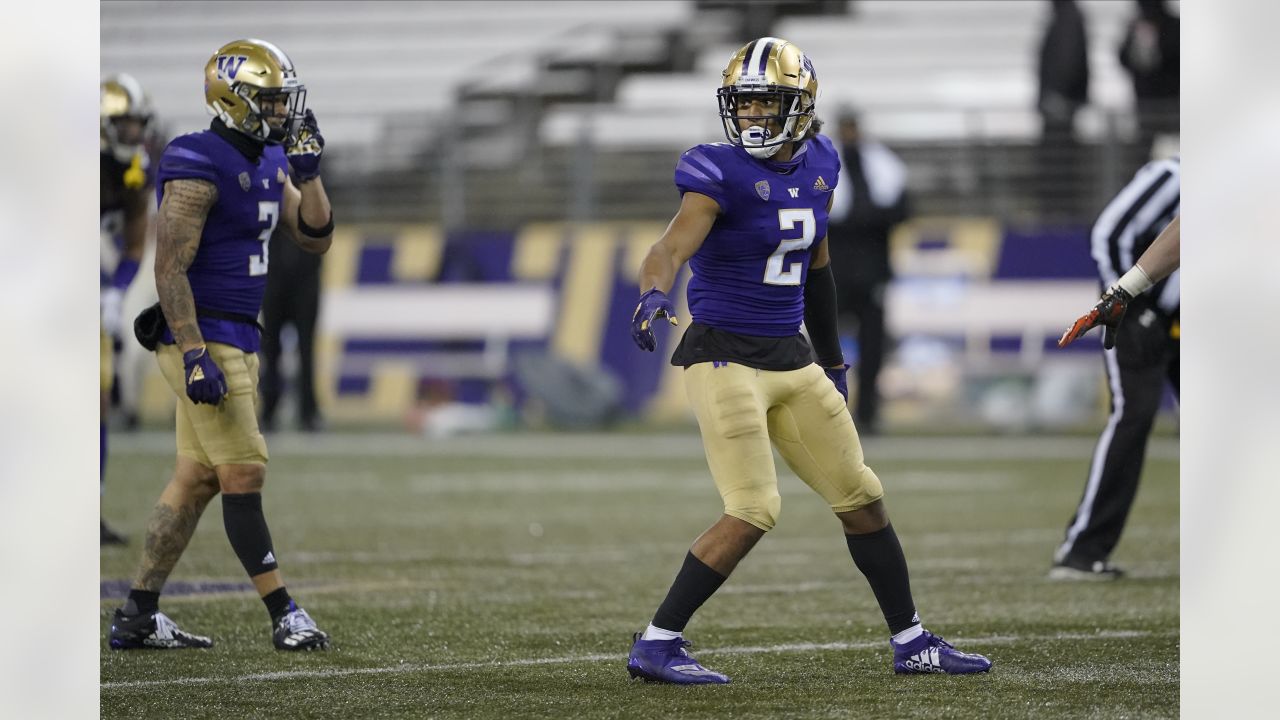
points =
(762, 189)
(245, 182)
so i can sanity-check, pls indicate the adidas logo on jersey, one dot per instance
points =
(268, 558)
(821, 185)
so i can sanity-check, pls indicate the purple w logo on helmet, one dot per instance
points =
(229, 65)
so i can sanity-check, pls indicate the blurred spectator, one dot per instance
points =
(1150, 53)
(292, 297)
(1064, 89)
(870, 200)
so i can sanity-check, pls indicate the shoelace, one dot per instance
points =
(937, 641)
(165, 628)
(299, 620)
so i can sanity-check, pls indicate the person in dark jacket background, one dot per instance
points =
(871, 199)
(1151, 54)
(1064, 89)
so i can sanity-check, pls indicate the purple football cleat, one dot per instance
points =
(931, 654)
(668, 661)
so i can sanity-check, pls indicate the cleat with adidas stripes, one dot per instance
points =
(295, 630)
(931, 654)
(668, 661)
(153, 631)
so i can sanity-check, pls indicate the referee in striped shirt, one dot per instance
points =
(1143, 359)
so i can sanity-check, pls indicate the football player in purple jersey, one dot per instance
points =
(221, 192)
(752, 226)
(127, 178)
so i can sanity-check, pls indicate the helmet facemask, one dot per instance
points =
(265, 121)
(762, 135)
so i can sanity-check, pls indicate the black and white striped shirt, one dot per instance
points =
(1132, 220)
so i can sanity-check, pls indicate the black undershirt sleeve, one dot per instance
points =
(820, 316)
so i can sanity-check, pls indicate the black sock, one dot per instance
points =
(879, 556)
(695, 582)
(277, 602)
(142, 602)
(247, 530)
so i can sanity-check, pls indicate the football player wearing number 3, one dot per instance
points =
(220, 193)
(752, 225)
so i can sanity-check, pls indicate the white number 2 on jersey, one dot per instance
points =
(773, 272)
(269, 213)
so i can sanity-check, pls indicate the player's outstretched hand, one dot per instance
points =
(840, 376)
(205, 381)
(1108, 312)
(304, 154)
(653, 305)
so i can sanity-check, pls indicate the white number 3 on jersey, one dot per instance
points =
(269, 213)
(774, 274)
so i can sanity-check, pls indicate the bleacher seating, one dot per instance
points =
(362, 62)
(885, 56)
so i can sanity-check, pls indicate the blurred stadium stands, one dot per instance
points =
(462, 137)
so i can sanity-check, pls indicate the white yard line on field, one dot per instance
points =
(404, 668)
(624, 446)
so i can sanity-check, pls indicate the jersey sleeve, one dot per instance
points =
(697, 171)
(833, 156)
(182, 160)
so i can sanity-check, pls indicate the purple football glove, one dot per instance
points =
(840, 376)
(304, 153)
(205, 382)
(653, 305)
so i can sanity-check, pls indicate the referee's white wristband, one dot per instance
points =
(1136, 281)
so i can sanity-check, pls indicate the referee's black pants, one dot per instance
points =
(1144, 359)
(864, 300)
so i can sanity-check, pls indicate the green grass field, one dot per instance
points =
(502, 578)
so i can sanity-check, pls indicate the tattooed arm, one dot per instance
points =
(183, 212)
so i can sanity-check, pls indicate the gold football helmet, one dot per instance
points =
(772, 73)
(125, 111)
(252, 87)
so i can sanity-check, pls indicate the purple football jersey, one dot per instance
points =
(229, 273)
(748, 276)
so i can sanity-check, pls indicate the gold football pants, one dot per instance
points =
(740, 410)
(225, 433)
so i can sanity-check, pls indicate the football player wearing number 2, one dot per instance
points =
(220, 193)
(752, 226)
